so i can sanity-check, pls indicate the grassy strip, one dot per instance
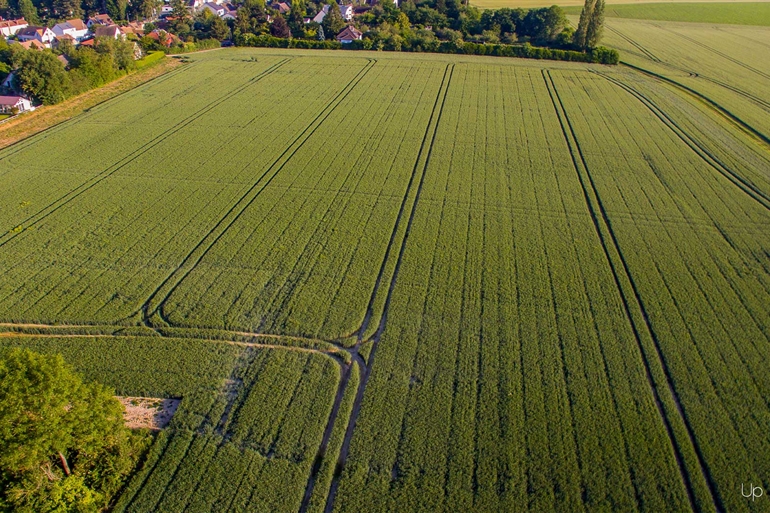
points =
(50, 115)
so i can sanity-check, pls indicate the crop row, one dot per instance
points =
(107, 249)
(507, 377)
(695, 245)
(303, 258)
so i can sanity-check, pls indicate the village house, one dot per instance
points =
(20, 104)
(281, 7)
(348, 35)
(66, 38)
(135, 27)
(216, 9)
(319, 18)
(112, 31)
(194, 5)
(29, 45)
(64, 60)
(9, 28)
(100, 19)
(75, 28)
(42, 35)
(164, 38)
(346, 10)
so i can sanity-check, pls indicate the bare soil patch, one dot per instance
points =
(148, 412)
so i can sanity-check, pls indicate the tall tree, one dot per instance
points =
(28, 11)
(297, 14)
(67, 9)
(585, 17)
(595, 25)
(333, 21)
(148, 9)
(117, 9)
(178, 9)
(279, 27)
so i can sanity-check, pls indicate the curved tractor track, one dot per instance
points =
(152, 309)
(635, 312)
(420, 167)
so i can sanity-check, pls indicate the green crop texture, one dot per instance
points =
(737, 13)
(384, 282)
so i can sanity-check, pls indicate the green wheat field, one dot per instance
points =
(409, 282)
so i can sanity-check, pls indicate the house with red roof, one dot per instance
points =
(349, 34)
(9, 28)
(19, 103)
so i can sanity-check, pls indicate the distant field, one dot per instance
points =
(496, 4)
(407, 282)
(729, 64)
(723, 13)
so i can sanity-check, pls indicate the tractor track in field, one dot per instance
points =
(339, 198)
(737, 121)
(426, 148)
(745, 185)
(231, 341)
(631, 301)
(92, 182)
(157, 299)
(53, 129)
(633, 43)
(739, 92)
(723, 55)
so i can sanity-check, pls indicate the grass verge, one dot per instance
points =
(49, 115)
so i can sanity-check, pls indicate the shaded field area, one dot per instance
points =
(729, 13)
(417, 282)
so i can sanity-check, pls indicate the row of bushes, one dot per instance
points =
(267, 41)
(149, 59)
(189, 46)
(599, 55)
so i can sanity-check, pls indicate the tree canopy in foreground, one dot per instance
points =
(63, 444)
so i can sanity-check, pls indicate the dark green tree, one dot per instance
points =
(148, 9)
(67, 9)
(178, 9)
(297, 18)
(579, 39)
(41, 75)
(63, 445)
(279, 27)
(28, 11)
(333, 21)
(117, 9)
(595, 25)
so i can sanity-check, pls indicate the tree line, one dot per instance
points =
(446, 26)
(40, 11)
(49, 79)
